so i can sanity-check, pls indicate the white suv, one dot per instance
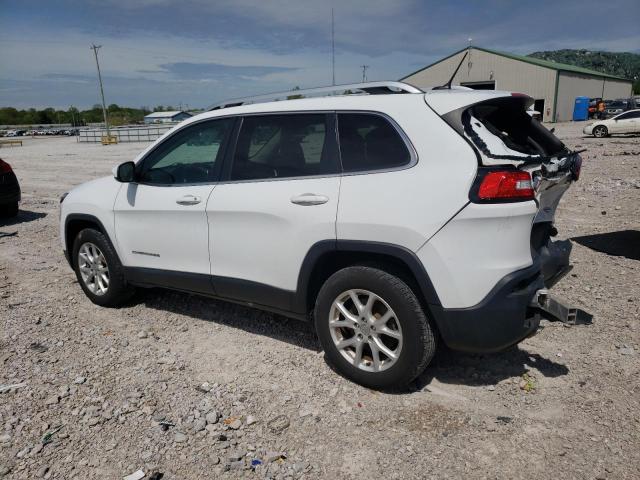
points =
(391, 216)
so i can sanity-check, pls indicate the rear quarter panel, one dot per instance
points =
(407, 206)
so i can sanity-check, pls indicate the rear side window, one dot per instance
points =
(370, 142)
(628, 116)
(277, 146)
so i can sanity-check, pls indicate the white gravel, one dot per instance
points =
(195, 388)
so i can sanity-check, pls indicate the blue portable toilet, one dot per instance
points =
(581, 109)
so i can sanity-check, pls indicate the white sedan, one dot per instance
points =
(625, 122)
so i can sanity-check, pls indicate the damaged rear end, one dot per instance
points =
(505, 137)
(519, 161)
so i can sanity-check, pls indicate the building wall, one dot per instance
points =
(508, 74)
(572, 85)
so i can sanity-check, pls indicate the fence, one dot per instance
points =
(125, 134)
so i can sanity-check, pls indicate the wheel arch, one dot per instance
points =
(327, 257)
(74, 223)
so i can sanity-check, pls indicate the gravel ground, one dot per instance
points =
(180, 386)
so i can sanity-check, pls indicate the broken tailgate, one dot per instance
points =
(504, 136)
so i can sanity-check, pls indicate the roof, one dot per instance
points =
(563, 67)
(370, 88)
(166, 114)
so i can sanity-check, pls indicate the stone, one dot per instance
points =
(251, 420)
(212, 417)
(625, 350)
(272, 456)
(236, 424)
(52, 400)
(143, 334)
(23, 452)
(5, 438)
(199, 425)
(42, 471)
(79, 380)
(180, 437)
(491, 388)
(235, 456)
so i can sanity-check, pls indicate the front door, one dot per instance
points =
(160, 219)
(278, 197)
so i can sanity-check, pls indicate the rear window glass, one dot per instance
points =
(370, 142)
(276, 146)
(502, 130)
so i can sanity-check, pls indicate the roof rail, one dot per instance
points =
(370, 88)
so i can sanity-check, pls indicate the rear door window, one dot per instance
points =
(283, 146)
(369, 142)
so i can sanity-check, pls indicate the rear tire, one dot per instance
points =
(600, 131)
(98, 270)
(385, 340)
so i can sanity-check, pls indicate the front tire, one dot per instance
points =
(98, 270)
(600, 131)
(372, 328)
(10, 210)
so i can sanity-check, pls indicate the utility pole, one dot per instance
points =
(364, 72)
(95, 49)
(333, 52)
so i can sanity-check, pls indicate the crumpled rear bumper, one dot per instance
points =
(503, 318)
(507, 314)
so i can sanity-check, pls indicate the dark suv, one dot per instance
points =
(9, 191)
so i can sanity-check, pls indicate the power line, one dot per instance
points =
(95, 49)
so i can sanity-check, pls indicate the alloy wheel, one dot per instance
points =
(93, 268)
(365, 330)
(600, 132)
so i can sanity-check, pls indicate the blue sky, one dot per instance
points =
(197, 52)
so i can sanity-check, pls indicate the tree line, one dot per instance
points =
(117, 115)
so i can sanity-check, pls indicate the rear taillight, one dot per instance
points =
(502, 186)
(4, 167)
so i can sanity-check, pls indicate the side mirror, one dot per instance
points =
(125, 172)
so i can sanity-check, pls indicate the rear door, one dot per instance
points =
(628, 122)
(279, 196)
(160, 220)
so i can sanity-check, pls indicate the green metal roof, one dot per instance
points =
(563, 67)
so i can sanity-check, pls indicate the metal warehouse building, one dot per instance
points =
(554, 86)
(166, 117)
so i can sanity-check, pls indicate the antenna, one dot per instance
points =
(364, 72)
(447, 86)
(333, 51)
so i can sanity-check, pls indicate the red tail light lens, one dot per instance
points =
(506, 185)
(4, 167)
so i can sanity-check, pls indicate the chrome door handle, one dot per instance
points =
(188, 200)
(308, 199)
